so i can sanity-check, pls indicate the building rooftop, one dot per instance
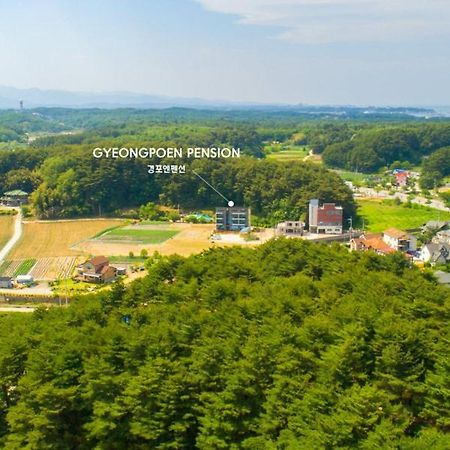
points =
(377, 244)
(330, 204)
(16, 193)
(99, 260)
(395, 233)
(20, 278)
(432, 247)
(435, 224)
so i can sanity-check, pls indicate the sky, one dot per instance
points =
(359, 52)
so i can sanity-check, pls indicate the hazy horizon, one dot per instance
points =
(204, 101)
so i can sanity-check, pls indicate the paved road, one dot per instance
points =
(22, 309)
(41, 288)
(434, 203)
(15, 237)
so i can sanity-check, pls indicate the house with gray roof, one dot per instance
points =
(435, 253)
(435, 225)
(442, 237)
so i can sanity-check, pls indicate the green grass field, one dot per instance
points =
(379, 216)
(286, 153)
(354, 177)
(127, 259)
(138, 236)
(25, 267)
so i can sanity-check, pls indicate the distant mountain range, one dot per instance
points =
(34, 98)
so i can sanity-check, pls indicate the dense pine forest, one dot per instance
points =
(289, 346)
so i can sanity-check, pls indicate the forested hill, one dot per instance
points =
(69, 182)
(293, 345)
(368, 150)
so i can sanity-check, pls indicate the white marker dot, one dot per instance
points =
(231, 203)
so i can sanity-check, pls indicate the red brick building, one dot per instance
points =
(325, 219)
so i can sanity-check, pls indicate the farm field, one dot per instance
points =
(6, 229)
(140, 234)
(187, 240)
(55, 239)
(12, 268)
(379, 215)
(24, 267)
(41, 268)
(55, 268)
(287, 153)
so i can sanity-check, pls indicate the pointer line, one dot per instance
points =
(212, 187)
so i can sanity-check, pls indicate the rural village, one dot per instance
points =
(50, 260)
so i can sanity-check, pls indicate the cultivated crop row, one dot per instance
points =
(53, 268)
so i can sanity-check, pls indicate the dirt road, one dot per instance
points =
(15, 237)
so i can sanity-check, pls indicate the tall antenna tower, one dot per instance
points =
(21, 105)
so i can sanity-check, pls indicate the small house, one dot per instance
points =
(373, 242)
(96, 270)
(121, 270)
(291, 228)
(14, 198)
(24, 279)
(435, 225)
(442, 237)
(401, 178)
(6, 283)
(435, 253)
(400, 240)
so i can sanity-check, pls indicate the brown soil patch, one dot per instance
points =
(44, 239)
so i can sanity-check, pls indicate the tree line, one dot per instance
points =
(73, 183)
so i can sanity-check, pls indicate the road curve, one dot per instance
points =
(15, 237)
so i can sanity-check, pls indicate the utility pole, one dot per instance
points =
(350, 220)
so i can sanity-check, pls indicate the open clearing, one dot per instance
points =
(354, 177)
(287, 153)
(379, 216)
(52, 239)
(6, 229)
